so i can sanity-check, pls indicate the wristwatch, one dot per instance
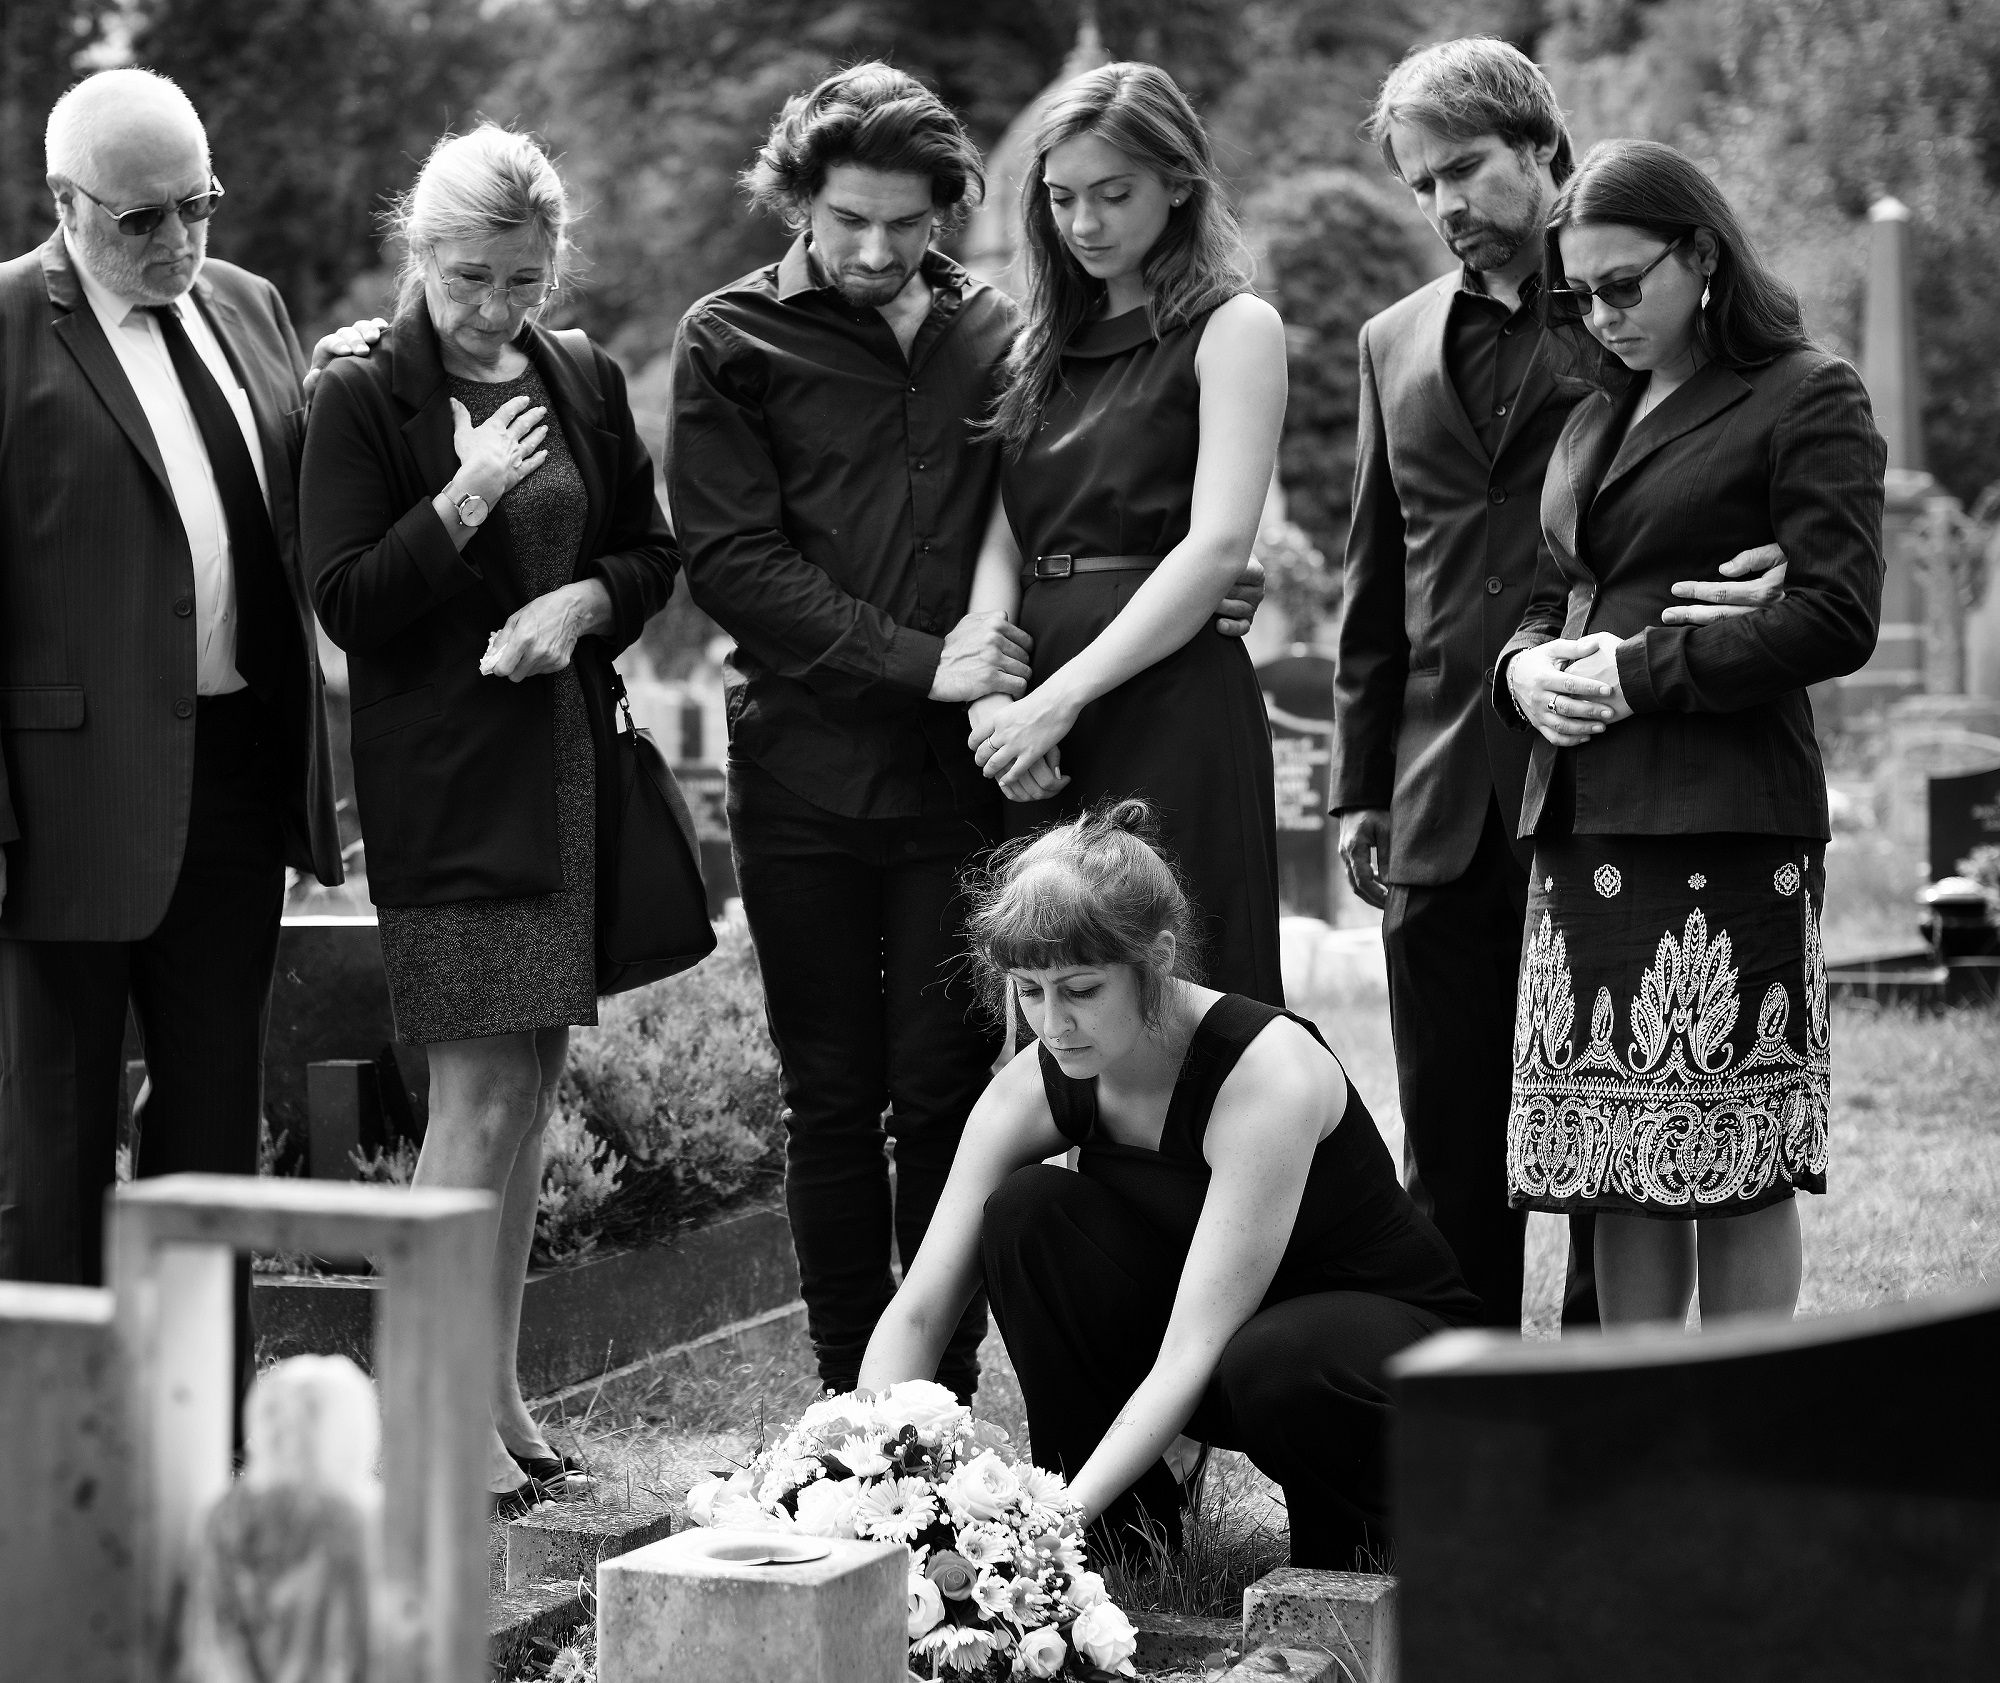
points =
(471, 509)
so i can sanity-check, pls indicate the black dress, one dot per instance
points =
(1110, 471)
(1081, 1270)
(471, 968)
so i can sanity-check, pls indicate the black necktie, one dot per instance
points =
(265, 627)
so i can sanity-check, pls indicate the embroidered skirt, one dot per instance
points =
(1670, 1040)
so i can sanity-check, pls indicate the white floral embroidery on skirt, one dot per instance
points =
(1678, 1122)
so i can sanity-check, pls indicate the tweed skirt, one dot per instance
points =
(1670, 1037)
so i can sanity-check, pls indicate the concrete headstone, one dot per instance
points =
(674, 1610)
(1813, 1499)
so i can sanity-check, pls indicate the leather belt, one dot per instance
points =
(1068, 566)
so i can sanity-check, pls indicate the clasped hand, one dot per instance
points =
(1568, 689)
(1014, 743)
(541, 637)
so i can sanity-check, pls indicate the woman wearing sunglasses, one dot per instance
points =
(1670, 1054)
(481, 530)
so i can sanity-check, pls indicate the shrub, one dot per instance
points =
(681, 1078)
(579, 1175)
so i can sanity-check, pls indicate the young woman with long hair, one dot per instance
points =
(1234, 1259)
(1140, 413)
(1671, 1064)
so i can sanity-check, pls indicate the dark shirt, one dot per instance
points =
(1487, 350)
(830, 501)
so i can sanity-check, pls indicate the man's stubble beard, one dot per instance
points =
(112, 261)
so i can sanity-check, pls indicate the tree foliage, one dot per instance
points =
(40, 44)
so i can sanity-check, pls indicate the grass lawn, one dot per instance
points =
(1913, 1210)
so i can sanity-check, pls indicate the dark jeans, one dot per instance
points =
(859, 935)
(199, 987)
(1082, 1287)
(1454, 958)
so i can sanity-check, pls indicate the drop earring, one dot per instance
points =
(1705, 285)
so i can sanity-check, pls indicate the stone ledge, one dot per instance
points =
(1348, 1614)
(1182, 1641)
(519, 1619)
(566, 1540)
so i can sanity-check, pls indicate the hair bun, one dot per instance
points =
(1134, 817)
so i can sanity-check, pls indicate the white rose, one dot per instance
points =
(843, 1414)
(926, 1606)
(701, 1500)
(1043, 1652)
(826, 1507)
(1104, 1636)
(735, 1511)
(932, 1409)
(1086, 1589)
(984, 1488)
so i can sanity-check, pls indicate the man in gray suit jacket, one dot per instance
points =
(1460, 411)
(163, 750)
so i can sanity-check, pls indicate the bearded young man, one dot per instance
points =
(1461, 407)
(829, 497)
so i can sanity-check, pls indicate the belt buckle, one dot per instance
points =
(1053, 567)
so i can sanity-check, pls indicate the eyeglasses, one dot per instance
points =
(141, 220)
(1572, 303)
(461, 289)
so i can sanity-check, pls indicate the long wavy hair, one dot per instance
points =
(1198, 262)
(1751, 317)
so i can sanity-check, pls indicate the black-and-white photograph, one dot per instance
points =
(861, 841)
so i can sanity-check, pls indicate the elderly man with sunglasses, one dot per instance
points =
(163, 750)
(1461, 405)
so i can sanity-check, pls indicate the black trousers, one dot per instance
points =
(859, 933)
(1454, 959)
(1083, 1287)
(199, 988)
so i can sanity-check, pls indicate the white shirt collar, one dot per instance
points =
(110, 307)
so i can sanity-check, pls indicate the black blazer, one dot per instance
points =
(454, 772)
(97, 629)
(1721, 736)
(1440, 561)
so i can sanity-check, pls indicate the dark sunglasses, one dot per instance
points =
(1571, 303)
(141, 220)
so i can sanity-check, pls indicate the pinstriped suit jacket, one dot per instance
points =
(97, 633)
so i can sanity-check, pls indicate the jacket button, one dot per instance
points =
(1494, 587)
(184, 606)
(184, 708)
(1496, 495)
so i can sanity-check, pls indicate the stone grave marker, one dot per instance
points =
(1298, 697)
(65, 1539)
(172, 1245)
(674, 1610)
(1763, 1502)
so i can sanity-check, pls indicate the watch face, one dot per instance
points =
(472, 509)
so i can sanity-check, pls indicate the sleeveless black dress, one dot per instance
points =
(1110, 471)
(1082, 1269)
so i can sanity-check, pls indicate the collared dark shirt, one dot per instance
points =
(1487, 350)
(830, 500)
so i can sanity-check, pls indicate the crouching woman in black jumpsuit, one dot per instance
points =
(1234, 1259)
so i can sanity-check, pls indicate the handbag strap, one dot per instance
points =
(624, 702)
(577, 343)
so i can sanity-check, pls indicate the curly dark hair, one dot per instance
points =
(874, 115)
(1096, 890)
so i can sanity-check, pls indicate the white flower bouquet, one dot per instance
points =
(998, 1586)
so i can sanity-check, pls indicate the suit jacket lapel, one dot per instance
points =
(418, 383)
(1710, 391)
(1439, 395)
(82, 335)
(1582, 451)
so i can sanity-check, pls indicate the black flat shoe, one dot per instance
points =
(556, 1474)
(512, 1504)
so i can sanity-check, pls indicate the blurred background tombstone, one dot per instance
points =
(1298, 697)
(172, 1244)
(1795, 1499)
(287, 1564)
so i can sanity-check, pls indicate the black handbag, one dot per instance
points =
(652, 906)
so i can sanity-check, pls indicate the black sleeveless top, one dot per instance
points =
(1356, 1228)
(1110, 471)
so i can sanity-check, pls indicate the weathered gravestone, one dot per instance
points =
(1964, 815)
(1298, 697)
(1760, 1503)
(65, 1538)
(683, 1609)
(173, 1241)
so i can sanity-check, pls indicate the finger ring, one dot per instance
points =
(1552, 704)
